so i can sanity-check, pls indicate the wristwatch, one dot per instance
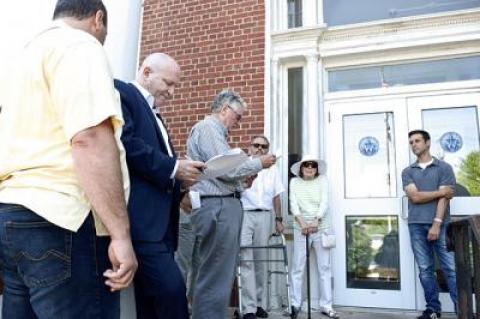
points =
(279, 219)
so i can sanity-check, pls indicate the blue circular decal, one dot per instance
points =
(368, 146)
(451, 142)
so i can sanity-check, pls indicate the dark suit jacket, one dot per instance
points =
(153, 205)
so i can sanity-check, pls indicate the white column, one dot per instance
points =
(277, 129)
(272, 6)
(275, 107)
(312, 145)
(320, 19)
(122, 45)
(312, 107)
(123, 37)
(282, 16)
(321, 109)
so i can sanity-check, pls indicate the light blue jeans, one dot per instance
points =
(423, 251)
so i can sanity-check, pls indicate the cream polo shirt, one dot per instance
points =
(61, 84)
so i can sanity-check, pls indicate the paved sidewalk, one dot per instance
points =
(361, 313)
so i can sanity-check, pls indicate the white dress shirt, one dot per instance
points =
(150, 100)
(265, 187)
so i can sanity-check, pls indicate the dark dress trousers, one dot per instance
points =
(153, 208)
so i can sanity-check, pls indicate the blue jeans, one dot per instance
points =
(50, 272)
(423, 252)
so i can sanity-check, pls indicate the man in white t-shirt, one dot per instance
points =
(258, 201)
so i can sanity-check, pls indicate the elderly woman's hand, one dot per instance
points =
(313, 227)
(305, 229)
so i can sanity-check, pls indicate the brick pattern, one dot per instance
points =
(218, 44)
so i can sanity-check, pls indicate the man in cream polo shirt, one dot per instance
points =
(63, 177)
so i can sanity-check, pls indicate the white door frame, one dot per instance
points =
(409, 106)
(458, 205)
(340, 207)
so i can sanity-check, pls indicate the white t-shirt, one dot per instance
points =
(424, 165)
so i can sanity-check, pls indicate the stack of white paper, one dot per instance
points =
(224, 163)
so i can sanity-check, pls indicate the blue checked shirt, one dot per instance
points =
(207, 139)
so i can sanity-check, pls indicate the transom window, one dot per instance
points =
(422, 72)
(340, 12)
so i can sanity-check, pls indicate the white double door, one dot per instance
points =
(367, 149)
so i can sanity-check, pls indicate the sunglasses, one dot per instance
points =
(258, 145)
(310, 164)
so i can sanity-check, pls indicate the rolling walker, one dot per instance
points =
(275, 242)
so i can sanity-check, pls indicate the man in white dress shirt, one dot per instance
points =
(259, 201)
(156, 175)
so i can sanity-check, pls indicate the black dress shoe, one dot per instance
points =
(430, 314)
(249, 315)
(295, 312)
(261, 313)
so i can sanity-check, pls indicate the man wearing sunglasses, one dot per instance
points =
(258, 202)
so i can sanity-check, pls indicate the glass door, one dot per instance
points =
(453, 123)
(367, 148)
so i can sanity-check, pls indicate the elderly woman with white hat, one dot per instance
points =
(308, 204)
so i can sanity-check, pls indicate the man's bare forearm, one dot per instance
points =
(277, 206)
(425, 197)
(441, 208)
(97, 164)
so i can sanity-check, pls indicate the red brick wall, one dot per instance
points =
(218, 44)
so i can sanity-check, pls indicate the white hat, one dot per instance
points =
(322, 166)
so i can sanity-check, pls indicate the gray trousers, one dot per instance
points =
(217, 224)
(256, 228)
(187, 255)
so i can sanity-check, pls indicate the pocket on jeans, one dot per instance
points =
(41, 251)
